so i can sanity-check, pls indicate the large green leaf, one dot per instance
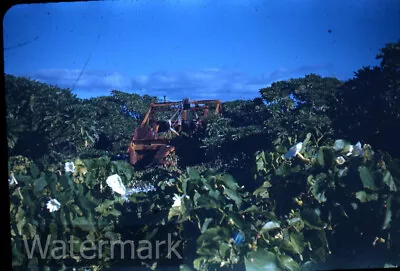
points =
(312, 219)
(224, 249)
(103, 207)
(287, 263)
(185, 184)
(388, 214)
(196, 196)
(367, 178)
(262, 191)
(319, 188)
(388, 180)
(124, 168)
(66, 182)
(199, 262)
(319, 254)
(20, 214)
(295, 244)
(232, 194)
(112, 212)
(283, 170)
(260, 161)
(394, 168)
(63, 219)
(297, 223)
(193, 173)
(229, 181)
(363, 196)
(92, 199)
(207, 202)
(34, 170)
(86, 204)
(212, 236)
(184, 267)
(80, 190)
(261, 260)
(103, 162)
(53, 230)
(40, 184)
(84, 224)
(20, 226)
(319, 245)
(205, 224)
(281, 149)
(75, 209)
(215, 194)
(30, 230)
(251, 209)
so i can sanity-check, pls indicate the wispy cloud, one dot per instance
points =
(285, 73)
(196, 84)
(89, 80)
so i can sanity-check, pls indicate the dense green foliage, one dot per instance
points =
(296, 214)
(303, 105)
(43, 120)
(369, 104)
(43, 113)
(235, 197)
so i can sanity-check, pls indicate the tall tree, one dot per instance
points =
(369, 103)
(302, 105)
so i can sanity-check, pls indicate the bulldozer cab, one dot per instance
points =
(145, 133)
(151, 142)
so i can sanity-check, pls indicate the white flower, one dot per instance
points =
(69, 167)
(53, 205)
(350, 150)
(340, 160)
(271, 225)
(115, 182)
(357, 150)
(12, 180)
(178, 200)
(340, 144)
(293, 151)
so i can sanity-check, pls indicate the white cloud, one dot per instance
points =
(196, 84)
(89, 80)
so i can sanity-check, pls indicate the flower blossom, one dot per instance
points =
(12, 180)
(294, 150)
(340, 160)
(53, 205)
(69, 167)
(178, 200)
(115, 183)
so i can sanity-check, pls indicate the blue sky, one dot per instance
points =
(226, 49)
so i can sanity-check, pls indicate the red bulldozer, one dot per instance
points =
(151, 142)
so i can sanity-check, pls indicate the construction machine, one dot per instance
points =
(152, 140)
